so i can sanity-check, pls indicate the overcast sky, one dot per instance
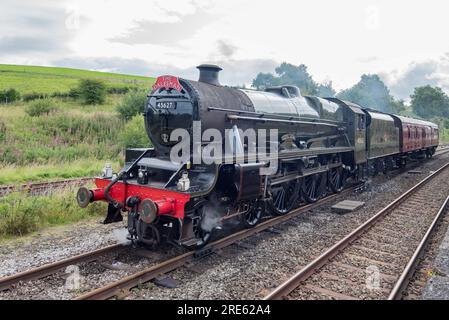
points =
(403, 41)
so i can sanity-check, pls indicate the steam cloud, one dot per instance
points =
(120, 235)
(212, 216)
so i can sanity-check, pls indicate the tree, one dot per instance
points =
(397, 106)
(369, 92)
(264, 80)
(9, 96)
(132, 104)
(288, 74)
(92, 91)
(428, 102)
(326, 90)
(298, 76)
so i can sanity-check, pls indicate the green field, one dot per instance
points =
(73, 141)
(29, 79)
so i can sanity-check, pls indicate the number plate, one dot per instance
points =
(166, 105)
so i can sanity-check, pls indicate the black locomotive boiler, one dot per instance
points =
(319, 144)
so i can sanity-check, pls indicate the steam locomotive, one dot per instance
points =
(319, 144)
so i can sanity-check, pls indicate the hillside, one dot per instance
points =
(74, 139)
(48, 80)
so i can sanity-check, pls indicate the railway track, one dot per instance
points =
(43, 188)
(376, 260)
(125, 284)
(442, 151)
(51, 268)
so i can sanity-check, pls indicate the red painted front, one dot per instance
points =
(167, 82)
(165, 199)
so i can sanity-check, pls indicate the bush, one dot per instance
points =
(34, 96)
(20, 215)
(2, 131)
(446, 123)
(119, 90)
(9, 96)
(132, 104)
(92, 91)
(40, 107)
(134, 135)
(58, 94)
(74, 93)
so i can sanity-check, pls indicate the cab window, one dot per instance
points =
(361, 122)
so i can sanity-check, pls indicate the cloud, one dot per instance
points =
(431, 72)
(238, 72)
(367, 59)
(181, 27)
(28, 44)
(29, 29)
(158, 36)
(226, 49)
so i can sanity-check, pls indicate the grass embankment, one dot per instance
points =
(63, 144)
(62, 137)
(21, 215)
(11, 174)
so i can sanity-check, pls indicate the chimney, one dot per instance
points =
(209, 74)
